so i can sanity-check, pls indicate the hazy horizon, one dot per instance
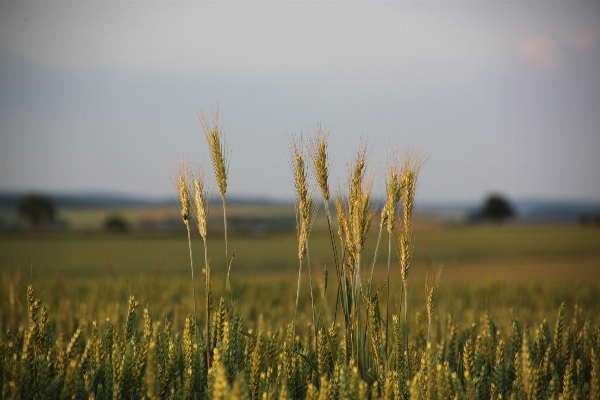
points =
(497, 96)
(377, 199)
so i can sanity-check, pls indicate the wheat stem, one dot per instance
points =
(406, 312)
(207, 288)
(227, 261)
(374, 260)
(335, 258)
(387, 305)
(297, 297)
(185, 202)
(305, 214)
(312, 300)
(192, 268)
(431, 287)
(218, 150)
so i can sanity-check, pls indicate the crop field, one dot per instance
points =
(365, 307)
(560, 259)
(503, 272)
(566, 249)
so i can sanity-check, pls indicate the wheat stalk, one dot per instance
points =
(183, 189)
(388, 218)
(432, 283)
(320, 164)
(200, 208)
(342, 224)
(389, 210)
(360, 210)
(408, 187)
(306, 210)
(394, 196)
(218, 154)
(354, 222)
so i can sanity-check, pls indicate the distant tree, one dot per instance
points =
(585, 219)
(116, 223)
(36, 208)
(496, 208)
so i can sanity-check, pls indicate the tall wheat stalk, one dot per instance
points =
(389, 214)
(320, 164)
(408, 187)
(220, 162)
(183, 190)
(354, 223)
(306, 210)
(342, 224)
(200, 209)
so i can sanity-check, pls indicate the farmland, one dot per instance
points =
(503, 271)
(564, 260)
(498, 251)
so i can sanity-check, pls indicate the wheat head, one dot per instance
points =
(217, 146)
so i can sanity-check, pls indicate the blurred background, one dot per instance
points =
(103, 97)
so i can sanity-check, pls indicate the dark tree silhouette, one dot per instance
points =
(496, 208)
(116, 223)
(36, 208)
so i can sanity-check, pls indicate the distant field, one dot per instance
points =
(473, 253)
(144, 217)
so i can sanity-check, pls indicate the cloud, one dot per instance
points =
(540, 51)
(586, 41)
(545, 52)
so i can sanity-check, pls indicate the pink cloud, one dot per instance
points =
(540, 51)
(587, 41)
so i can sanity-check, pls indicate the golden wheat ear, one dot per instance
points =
(393, 193)
(201, 202)
(183, 190)
(432, 283)
(408, 186)
(218, 150)
(320, 160)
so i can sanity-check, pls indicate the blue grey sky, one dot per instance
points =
(103, 96)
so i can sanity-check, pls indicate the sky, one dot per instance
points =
(496, 96)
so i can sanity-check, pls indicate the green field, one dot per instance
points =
(511, 261)
(494, 249)
(493, 276)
